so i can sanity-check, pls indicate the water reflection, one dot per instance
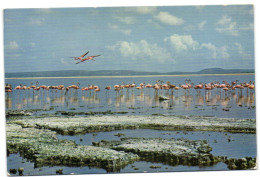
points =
(190, 102)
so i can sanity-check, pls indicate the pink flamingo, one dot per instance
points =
(97, 89)
(19, 87)
(81, 57)
(107, 88)
(88, 58)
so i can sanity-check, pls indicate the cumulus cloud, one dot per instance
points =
(12, 45)
(185, 45)
(141, 50)
(223, 52)
(212, 48)
(227, 26)
(182, 43)
(169, 19)
(119, 29)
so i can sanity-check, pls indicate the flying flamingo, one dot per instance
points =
(81, 57)
(88, 58)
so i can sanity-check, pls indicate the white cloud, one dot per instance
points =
(145, 10)
(119, 29)
(12, 45)
(43, 10)
(250, 26)
(241, 51)
(185, 45)
(141, 50)
(182, 42)
(223, 52)
(200, 8)
(227, 26)
(127, 20)
(202, 24)
(36, 21)
(199, 26)
(168, 19)
(212, 48)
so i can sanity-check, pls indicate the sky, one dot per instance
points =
(144, 38)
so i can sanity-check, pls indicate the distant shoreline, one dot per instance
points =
(181, 75)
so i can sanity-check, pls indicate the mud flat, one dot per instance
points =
(81, 125)
(43, 148)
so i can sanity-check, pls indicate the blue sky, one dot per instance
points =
(162, 39)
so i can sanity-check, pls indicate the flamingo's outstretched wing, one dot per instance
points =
(80, 61)
(84, 54)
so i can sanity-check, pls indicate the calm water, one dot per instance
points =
(233, 104)
(216, 103)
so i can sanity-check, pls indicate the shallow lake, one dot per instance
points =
(216, 103)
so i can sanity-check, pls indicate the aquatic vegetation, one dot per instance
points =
(43, 148)
(13, 171)
(20, 170)
(14, 113)
(241, 164)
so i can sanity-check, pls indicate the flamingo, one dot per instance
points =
(81, 57)
(19, 87)
(133, 85)
(225, 89)
(107, 88)
(97, 89)
(8, 88)
(88, 58)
